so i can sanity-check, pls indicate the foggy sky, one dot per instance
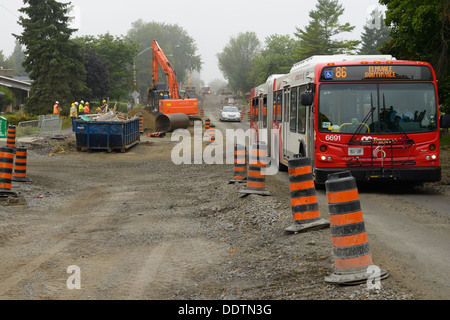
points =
(210, 23)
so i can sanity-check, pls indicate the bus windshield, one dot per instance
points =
(377, 108)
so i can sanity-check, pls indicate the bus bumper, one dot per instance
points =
(419, 174)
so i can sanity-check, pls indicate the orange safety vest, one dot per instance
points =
(86, 109)
(56, 109)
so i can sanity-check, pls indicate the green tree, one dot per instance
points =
(375, 33)
(235, 61)
(6, 62)
(275, 58)
(6, 98)
(421, 31)
(53, 61)
(318, 38)
(19, 57)
(98, 76)
(119, 52)
(179, 48)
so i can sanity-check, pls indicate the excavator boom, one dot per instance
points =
(159, 59)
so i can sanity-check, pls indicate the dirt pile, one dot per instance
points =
(149, 120)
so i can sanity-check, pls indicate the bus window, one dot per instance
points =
(255, 109)
(343, 107)
(408, 107)
(279, 102)
(301, 119)
(286, 106)
(264, 110)
(293, 111)
(277, 106)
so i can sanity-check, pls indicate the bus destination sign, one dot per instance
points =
(376, 72)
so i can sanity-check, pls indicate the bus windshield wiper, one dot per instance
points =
(362, 123)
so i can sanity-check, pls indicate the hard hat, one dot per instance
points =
(76, 103)
(87, 103)
(73, 104)
(104, 101)
(57, 102)
(82, 101)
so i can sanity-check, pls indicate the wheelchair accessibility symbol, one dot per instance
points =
(329, 74)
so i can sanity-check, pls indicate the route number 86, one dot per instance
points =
(341, 72)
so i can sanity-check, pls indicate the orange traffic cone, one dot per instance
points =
(352, 257)
(305, 206)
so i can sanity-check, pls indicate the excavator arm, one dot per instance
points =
(160, 59)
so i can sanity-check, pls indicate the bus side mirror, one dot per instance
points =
(307, 98)
(444, 121)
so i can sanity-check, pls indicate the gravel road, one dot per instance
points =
(139, 227)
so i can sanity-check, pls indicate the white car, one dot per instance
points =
(230, 113)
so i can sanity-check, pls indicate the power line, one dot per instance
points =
(1, 5)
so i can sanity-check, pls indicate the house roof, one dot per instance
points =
(14, 83)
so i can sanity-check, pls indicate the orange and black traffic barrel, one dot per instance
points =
(11, 137)
(249, 116)
(20, 166)
(207, 124)
(304, 202)
(212, 133)
(240, 163)
(202, 113)
(6, 169)
(256, 177)
(141, 123)
(352, 257)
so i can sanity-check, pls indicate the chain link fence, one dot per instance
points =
(45, 126)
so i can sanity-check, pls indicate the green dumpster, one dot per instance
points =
(3, 127)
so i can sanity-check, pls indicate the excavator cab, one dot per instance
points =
(155, 94)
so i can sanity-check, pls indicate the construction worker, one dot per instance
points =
(104, 107)
(86, 108)
(73, 111)
(98, 111)
(80, 108)
(56, 108)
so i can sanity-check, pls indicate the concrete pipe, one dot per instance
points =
(172, 122)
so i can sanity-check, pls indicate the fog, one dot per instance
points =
(209, 23)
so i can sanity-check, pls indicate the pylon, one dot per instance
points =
(6, 170)
(240, 164)
(11, 137)
(305, 206)
(20, 166)
(256, 179)
(352, 257)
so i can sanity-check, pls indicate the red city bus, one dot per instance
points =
(372, 115)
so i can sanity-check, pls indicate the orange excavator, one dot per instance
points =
(165, 98)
